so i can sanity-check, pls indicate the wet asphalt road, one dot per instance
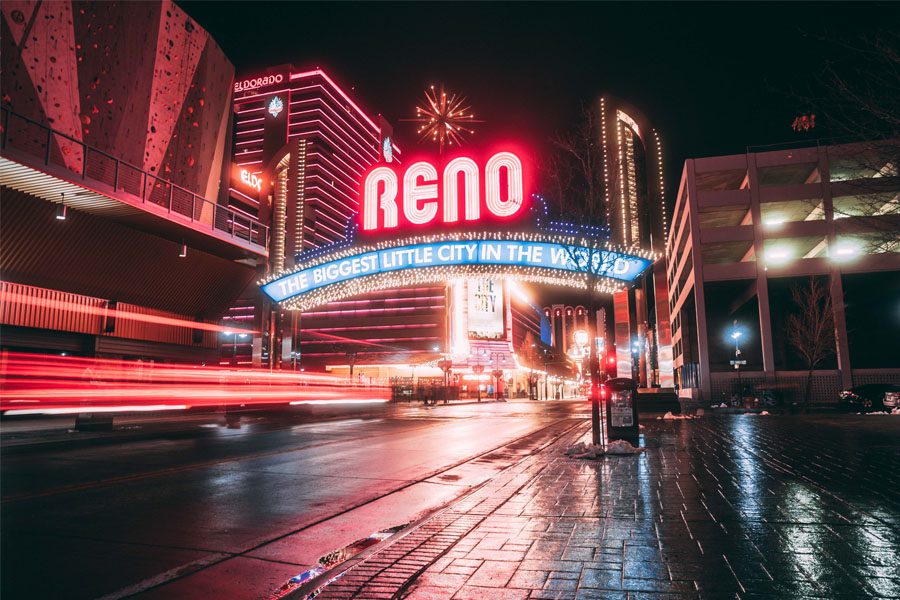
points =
(248, 507)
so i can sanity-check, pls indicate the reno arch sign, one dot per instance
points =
(430, 222)
(463, 191)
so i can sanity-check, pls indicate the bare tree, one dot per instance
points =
(578, 194)
(863, 87)
(859, 102)
(811, 332)
(574, 171)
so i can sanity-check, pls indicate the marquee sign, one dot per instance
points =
(496, 253)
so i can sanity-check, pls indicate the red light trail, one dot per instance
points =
(42, 384)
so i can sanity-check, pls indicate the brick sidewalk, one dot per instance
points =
(724, 507)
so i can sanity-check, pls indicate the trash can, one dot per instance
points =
(621, 410)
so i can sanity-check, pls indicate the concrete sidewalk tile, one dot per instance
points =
(551, 594)
(495, 555)
(444, 580)
(491, 542)
(558, 581)
(607, 579)
(471, 592)
(529, 579)
(467, 562)
(493, 573)
(452, 570)
(592, 594)
(429, 593)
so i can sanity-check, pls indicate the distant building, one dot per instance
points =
(634, 184)
(301, 145)
(747, 230)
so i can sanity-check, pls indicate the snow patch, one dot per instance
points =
(622, 447)
(584, 450)
(670, 417)
(616, 447)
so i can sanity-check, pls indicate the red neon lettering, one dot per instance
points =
(420, 193)
(251, 180)
(422, 196)
(257, 82)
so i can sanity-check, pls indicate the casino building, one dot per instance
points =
(300, 147)
(115, 239)
(635, 196)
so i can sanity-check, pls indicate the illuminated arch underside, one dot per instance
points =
(413, 275)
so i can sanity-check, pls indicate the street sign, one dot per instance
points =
(737, 362)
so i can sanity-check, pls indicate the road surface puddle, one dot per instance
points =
(334, 558)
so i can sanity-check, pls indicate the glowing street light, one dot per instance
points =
(736, 335)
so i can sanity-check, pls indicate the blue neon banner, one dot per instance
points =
(545, 255)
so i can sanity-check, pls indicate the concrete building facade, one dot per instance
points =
(748, 231)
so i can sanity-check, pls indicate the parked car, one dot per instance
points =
(871, 397)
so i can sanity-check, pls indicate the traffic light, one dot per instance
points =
(608, 366)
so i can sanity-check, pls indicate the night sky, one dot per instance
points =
(712, 78)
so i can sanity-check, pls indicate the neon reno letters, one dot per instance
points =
(422, 196)
(541, 255)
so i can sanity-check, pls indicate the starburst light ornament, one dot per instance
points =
(444, 118)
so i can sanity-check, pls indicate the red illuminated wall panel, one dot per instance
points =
(138, 80)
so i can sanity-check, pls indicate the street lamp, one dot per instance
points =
(532, 378)
(478, 369)
(497, 373)
(737, 362)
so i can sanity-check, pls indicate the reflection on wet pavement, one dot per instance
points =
(733, 506)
